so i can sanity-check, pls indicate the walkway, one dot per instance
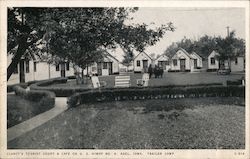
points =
(28, 125)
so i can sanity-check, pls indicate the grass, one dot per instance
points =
(72, 84)
(200, 123)
(19, 110)
(177, 78)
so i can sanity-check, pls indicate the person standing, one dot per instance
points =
(150, 70)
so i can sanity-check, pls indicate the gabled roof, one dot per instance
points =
(184, 51)
(108, 54)
(162, 56)
(143, 53)
(194, 53)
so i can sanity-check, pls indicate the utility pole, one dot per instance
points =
(227, 31)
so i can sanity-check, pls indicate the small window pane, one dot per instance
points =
(138, 63)
(57, 67)
(27, 63)
(34, 66)
(175, 62)
(212, 61)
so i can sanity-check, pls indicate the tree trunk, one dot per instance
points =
(23, 45)
(78, 78)
(82, 77)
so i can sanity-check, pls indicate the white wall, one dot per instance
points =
(181, 55)
(213, 66)
(163, 58)
(239, 66)
(141, 57)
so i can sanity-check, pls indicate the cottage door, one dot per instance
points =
(195, 63)
(183, 65)
(164, 65)
(22, 73)
(99, 68)
(110, 67)
(145, 65)
(63, 70)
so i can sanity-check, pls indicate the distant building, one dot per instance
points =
(32, 69)
(141, 62)
(197, 60)
(213, 62)
(164, 62)
(182, 61)
(108, 66)
(236, 65)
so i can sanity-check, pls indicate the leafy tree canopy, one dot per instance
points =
(76, 34)
(227, 47)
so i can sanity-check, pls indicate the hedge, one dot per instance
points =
(45, 99)
(59, 91)
(66, 92)
(238, 82)
(154, 93)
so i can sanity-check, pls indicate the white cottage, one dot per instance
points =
(182, 61)
(109, 65)
(213, 62)
(30, 70)
(141, 62)
(164, 62)
(238, 64)
(197, 60)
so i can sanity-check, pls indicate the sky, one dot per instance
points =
(189, 22)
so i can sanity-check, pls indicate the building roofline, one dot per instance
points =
(144, 53)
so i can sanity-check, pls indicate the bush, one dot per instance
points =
(45, 99)
(154, 93)
(10, 88)
(238, 82)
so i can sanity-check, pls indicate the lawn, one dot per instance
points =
(20, 110)
(177, 78)
(72, 84)
(200, 123)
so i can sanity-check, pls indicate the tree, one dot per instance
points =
(127, 58)
(26, 26)
(229, 48)
(79, 34)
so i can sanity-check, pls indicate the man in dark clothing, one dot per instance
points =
(150, 71)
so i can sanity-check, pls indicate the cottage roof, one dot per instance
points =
(185, 52)
(143, 53)
(162, 56)
(108, 54)
(195, 54)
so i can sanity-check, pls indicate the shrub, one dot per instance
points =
(154, 93)
(45, 99)
(10, 88)
(238, 82)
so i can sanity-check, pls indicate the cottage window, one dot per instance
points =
(167, 62)
(34, 66)
(175, 62)
(236, 61)
(105, 65)
(160, 63)
(27, 64)
(57, 67)
(16, 69)
(138, 63)
(67, 66)
(93, 69)
(212, 61)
